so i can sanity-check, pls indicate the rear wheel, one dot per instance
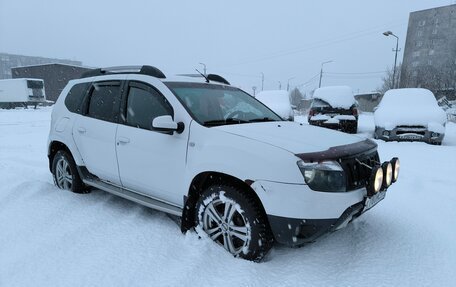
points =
(65, 173)
(232, 218)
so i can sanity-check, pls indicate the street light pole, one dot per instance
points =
(389, 33)
(288, 83)
(321, 71)
(280, 85)
(204, 65)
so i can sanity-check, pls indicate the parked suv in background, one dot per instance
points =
(334, 108)
(213, 155)
(410, 115)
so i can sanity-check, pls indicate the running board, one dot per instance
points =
(130, 195)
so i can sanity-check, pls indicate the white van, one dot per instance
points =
(21, 92)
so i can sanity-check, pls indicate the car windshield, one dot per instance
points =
(214, 105)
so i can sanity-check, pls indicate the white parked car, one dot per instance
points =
(278, 101)
(213, 155)
(410, 115)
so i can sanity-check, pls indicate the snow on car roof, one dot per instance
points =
(336, 96)
(408, 107)
(276, 100)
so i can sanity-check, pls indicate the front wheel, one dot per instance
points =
(234, 220)
(65, 173)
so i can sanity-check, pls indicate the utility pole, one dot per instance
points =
(321, 71)
(262, 80)
(204, 65)
(280, 85)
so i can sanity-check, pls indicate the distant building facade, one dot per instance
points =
(55, 76)
(430, 50)
(8, 61)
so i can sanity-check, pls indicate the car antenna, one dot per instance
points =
(207, 80)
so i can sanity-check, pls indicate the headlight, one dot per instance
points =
(324, 176)
(396, 166)
(375, 181)
(387, 174)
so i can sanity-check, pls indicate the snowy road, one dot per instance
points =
(49, 237)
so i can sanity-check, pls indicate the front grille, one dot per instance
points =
(420, 130)
(357, 169)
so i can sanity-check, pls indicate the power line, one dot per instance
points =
(320, 44)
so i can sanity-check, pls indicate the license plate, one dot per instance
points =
(370, 202)
(411, 137)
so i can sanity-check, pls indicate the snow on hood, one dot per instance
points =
(409, 107)
(336, 96)
(292, 136)
(278, 101)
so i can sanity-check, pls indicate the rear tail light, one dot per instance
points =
(355, 111)
(311, 113)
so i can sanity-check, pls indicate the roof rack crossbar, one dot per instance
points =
(144, 70)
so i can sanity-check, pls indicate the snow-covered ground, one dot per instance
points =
(49, 237)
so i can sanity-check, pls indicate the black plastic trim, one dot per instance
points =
(296, 232)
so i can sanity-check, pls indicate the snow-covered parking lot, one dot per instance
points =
(50, 237)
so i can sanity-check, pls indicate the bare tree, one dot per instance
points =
(296, 97)
(387, 79)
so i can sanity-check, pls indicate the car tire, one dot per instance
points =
(65, 173)
(233, 219)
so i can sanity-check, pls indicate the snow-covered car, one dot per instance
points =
(212, 155)
(410, 115)
(335, 108)
(278, 101)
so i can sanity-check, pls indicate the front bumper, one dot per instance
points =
(296, 232)
(401, 134)
(343, 125)
(299, 215)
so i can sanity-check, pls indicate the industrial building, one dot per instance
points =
(55, 76)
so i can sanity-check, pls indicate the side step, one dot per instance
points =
(130, 195)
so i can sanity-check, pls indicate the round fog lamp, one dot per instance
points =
(387, 174)
(434, 135)
(375, 180)
(396, 166)
(386, 133)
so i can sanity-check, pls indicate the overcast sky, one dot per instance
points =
(285, 40)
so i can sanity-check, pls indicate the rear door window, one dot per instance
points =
(104, 101)
(75, 97)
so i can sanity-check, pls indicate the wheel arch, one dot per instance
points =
(204, 180)
(54, 147)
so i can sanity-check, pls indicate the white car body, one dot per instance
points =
(159, 169)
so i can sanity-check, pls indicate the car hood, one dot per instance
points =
(412, 115)
(291, 136)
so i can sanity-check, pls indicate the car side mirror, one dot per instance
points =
(167, 124)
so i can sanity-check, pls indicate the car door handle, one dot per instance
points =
(123, 140)
(81, 130)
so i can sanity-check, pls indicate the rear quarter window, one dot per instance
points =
(75, 97)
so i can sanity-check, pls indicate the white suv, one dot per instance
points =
(211, 154)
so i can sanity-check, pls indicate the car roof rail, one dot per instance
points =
(143, 70)
(209, 77)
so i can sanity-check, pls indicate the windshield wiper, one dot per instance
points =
(266, 119)
(228, 121)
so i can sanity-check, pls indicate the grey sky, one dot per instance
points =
(238, 39)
